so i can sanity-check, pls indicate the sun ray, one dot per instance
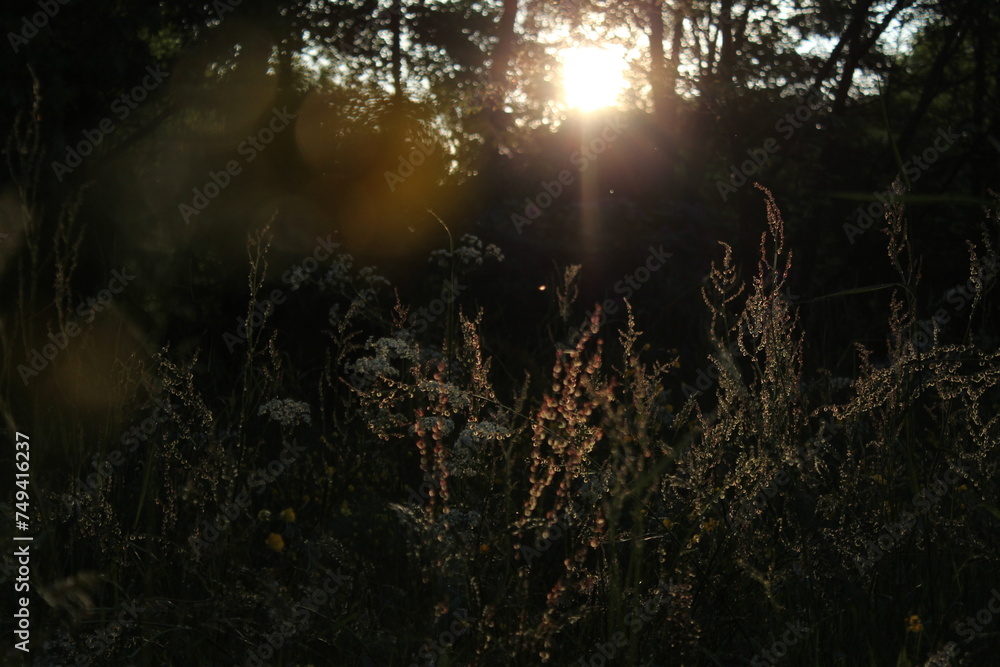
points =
(593, 77)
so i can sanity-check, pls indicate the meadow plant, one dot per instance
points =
(574, 517)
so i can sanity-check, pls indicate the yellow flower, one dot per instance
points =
(913, 624)
(667, 523)
(962, 487)
(484, 548)
(709, 525)
(275, 542)
(288, 515)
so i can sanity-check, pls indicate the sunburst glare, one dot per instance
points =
(593, 77)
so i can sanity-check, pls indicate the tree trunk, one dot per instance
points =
(396, 28)
(933, 85)
(727, 51)
(675, 47)
(657, 58)
(859, 48)
(496, 97)
(857, 22)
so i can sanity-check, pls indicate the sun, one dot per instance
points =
(593, 77)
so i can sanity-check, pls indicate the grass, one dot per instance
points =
(399, 502)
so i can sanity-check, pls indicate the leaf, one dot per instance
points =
(992, 510)
(912, 199)
(855, 290)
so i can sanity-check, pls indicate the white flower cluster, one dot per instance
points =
(464, 457)
(339, 277)
(385, 351)
(393, 347)
(372, 367)
(287, 412)
(469, 253)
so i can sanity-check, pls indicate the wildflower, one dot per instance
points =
(961, 487)
(288, 515)
(709, 525)
(286, 412)
(913, 624)
(275, 542)
(667, 523)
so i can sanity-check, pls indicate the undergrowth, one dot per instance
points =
(400, 506)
